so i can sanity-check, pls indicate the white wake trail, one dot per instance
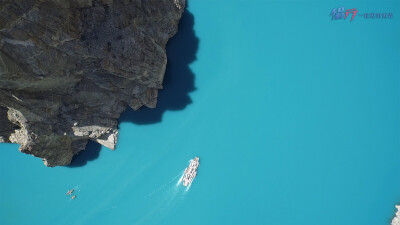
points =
(188, 187)
(163, 186)
(179, 181)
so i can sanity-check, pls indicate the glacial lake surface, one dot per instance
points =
(295, 118)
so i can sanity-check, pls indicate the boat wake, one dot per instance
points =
(77, 188)
(172, 195)
(168, 196)
(162, 187)
(179, 181)
(188, 187)
(108, 209)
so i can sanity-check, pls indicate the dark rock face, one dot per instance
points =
(69, 68)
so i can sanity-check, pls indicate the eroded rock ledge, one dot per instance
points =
(69, 68)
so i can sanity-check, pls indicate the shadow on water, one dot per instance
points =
(91, 152)
(178, 83)
(178, 80)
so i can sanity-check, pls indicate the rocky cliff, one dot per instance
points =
(69, 68)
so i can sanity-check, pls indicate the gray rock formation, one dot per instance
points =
(68, 68)
(396, 219)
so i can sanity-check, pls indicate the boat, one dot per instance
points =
(190, 172)
(70, 192)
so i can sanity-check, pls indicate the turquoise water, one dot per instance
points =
(295, 118)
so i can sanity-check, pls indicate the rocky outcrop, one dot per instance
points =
(6, 127)
(69, 68)
(396, 219)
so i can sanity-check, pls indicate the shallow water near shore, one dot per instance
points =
(295, 118)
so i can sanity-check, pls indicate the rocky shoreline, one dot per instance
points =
(68, 69)
(396, 219)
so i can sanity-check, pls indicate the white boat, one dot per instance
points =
(191, 171)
